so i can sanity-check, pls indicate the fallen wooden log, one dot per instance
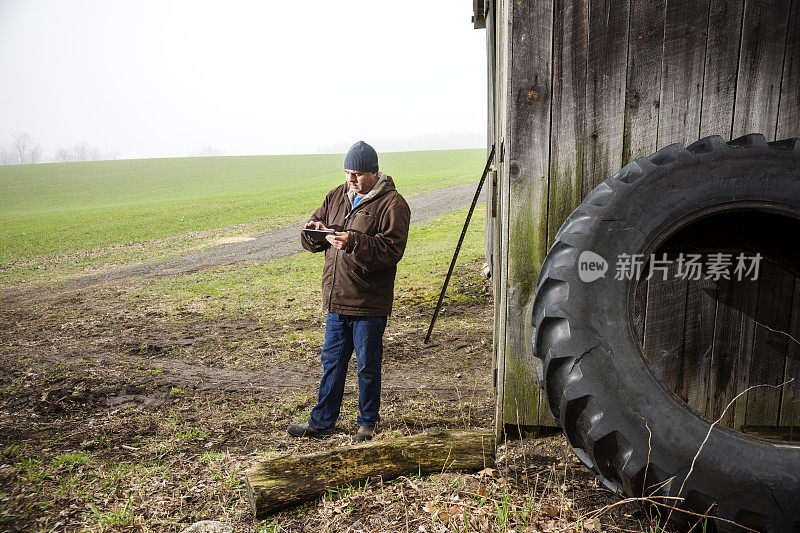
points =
(283, 481)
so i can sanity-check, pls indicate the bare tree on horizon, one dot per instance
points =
(6, 155)
(208, 151)
(83, 151)
(22, 150)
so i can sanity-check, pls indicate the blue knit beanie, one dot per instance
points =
(361, 157)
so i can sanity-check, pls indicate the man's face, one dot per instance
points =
(361, 182)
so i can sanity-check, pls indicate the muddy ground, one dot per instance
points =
(119, 413)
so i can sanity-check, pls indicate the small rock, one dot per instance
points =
(209, 526)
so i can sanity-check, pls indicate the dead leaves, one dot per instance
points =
(592, 525)
(548, 509)
(481, 502)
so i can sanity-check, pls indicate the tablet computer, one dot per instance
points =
(318, 235)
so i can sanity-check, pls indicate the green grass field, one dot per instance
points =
(61, 208)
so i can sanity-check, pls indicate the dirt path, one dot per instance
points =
(273, 244)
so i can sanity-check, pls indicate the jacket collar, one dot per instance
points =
(383, 185)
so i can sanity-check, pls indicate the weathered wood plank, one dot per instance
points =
(605, 90)
(789, 106)
(528, 164)
(732, 351)
(721, 67)
(760, 67)
(277, 483)
(643, 86)
(664, 328)
(773, 432)
(503, 84)
(698, 342)
(775, 295)
(743, 364)
(790, 398)
(685, 30)
(494, 214)
(570, 39)
(491, 135)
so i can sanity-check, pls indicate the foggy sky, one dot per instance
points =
(168, 78)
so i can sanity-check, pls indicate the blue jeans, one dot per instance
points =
(343, 334)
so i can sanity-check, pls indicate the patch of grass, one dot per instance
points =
(192, 434)
(270, 527)
(102, 440)
(32, 470)
(121, 515)
(71, 459)
(10, 388)
(63, 207)
(10, 452)
(346, 491)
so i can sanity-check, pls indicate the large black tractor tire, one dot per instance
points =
(635, 434)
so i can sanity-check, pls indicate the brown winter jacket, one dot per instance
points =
(359, 280)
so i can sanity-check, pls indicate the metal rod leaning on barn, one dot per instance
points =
(458, 248)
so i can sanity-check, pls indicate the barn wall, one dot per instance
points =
(582, 87)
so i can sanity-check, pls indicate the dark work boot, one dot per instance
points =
(305, 430)
(364, 433)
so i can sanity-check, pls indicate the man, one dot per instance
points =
(371, 221)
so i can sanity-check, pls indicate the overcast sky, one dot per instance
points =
(168, 78)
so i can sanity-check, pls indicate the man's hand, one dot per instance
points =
(315, 224)
(338, 240)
